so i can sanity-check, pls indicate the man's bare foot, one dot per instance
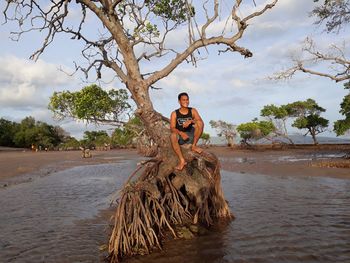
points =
(196, 149)
(181, 165)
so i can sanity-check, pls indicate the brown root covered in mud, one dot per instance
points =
(156, 198)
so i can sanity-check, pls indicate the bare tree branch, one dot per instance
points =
(202, 42)
(335, 58)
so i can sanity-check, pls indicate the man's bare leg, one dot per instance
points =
(177, 150)
(198, 130)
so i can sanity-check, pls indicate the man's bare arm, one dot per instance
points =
(196, 117)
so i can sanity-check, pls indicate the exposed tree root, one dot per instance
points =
(156, 198)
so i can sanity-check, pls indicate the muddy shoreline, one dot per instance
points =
(296, 161)
(22, 166)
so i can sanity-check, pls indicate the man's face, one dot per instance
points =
(184, 101)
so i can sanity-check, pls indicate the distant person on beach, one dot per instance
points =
(186, 127)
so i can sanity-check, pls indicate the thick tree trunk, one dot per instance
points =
(157, 198)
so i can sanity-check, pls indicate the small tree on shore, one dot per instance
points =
(226, 130)
(278, 115)
(308, 117)
(254, 130)
(206, 138)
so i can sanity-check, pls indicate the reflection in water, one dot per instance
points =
(278, 219)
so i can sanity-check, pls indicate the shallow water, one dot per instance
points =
(53, 218)
(278, 219)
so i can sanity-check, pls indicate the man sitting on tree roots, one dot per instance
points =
(186, 128)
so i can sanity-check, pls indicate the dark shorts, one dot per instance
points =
(190, 137)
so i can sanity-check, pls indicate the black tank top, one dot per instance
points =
(181, 118)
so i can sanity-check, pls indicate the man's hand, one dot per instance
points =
(187, 123)
(184, 136)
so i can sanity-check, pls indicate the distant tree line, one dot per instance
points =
(41, 135)
(305, 115)
(29, 132)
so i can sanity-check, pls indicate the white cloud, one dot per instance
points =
(238, 83)
(25, 83)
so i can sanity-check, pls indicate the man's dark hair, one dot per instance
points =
(182, 94)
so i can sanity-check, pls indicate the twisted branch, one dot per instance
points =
(335, 58)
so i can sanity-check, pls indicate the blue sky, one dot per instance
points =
(226, 87)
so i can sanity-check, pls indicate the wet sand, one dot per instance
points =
(18, 166)
(289, 162)
(22, 166)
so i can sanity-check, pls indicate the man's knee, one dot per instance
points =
(199, 125)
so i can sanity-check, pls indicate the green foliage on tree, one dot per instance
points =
(125, 136)
(93, 139)
(225, 129)
(70, 143)
(26, 135)
(205, 138)
(175, 10)
(308, 117)
(121, 138)
(254, 130)
(47, 136)
(278, 115)
(30, 132)
(334, 13)
(342, 126)
(7, 131)
(274, 111)
(304, 108)
(91, 104)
